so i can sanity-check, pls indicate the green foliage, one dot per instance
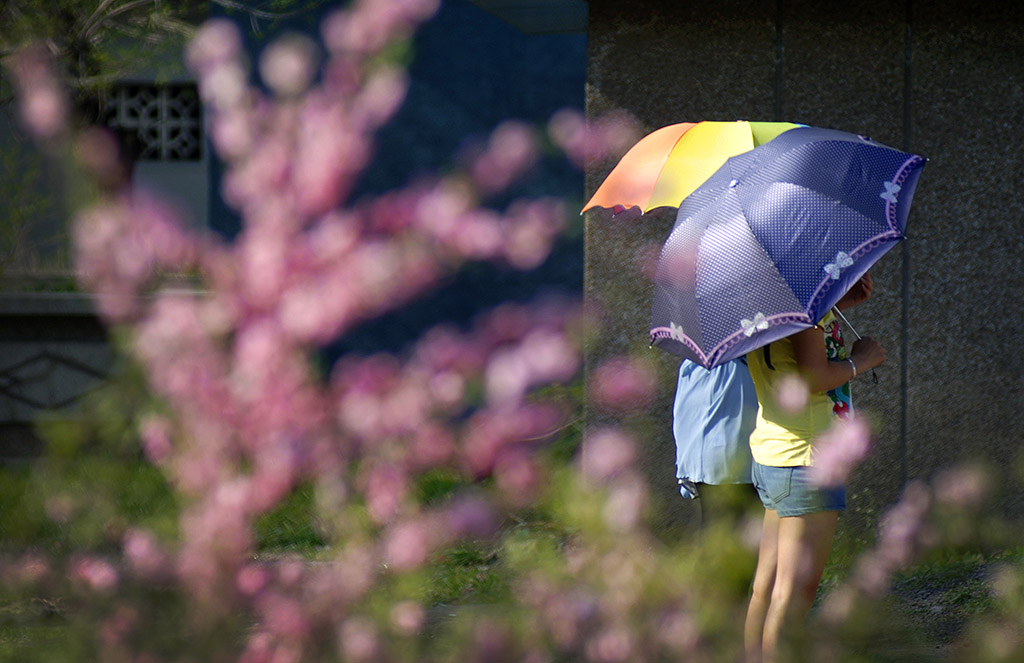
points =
(292, 527)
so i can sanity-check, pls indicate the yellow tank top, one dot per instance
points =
(781, 438)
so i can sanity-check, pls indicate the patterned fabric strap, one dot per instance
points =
(835, 350)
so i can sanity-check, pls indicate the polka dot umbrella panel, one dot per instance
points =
(774, 238)
(665, 166)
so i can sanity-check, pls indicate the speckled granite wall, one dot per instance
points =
(845, 66)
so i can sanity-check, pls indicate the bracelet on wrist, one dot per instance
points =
(853, 366)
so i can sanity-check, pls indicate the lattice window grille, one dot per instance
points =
(166, 118)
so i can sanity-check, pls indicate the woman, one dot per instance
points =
(800, 518)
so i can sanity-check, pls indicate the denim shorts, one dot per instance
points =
(789, 491)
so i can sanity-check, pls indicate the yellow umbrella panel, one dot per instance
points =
(667, 165)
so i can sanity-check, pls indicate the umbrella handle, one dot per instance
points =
(839, 314)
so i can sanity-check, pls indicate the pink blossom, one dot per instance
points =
(623, 384)
(518, 477)
(535, 225)
(407, 545)
(679, 632)
(225, 87)
(28, 569)
(606, 453)
(966, 486)
(612, 645)
(118, 626)
(904, 532)
(469, 517)
(215, 42)
(288, 65)
(508, 377)
(96, 573)
(145, 555)
(604, 137)
(386, 489)
(380, 98)
(792, 394)
(431, 446)
(407, 617)
(156, 438)
(840, 450)
(43, 104)
(283, 616)
(511, 151)
(358, 639)
(251, 579)
(624, 508)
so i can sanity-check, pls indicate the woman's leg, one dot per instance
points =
(764, 580)
(803, 546)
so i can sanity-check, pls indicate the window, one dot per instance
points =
(165, 118)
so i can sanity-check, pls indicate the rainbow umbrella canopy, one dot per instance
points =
(667, 165)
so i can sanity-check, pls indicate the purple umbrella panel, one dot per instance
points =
(771, 241)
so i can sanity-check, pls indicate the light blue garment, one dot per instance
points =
(712, 418)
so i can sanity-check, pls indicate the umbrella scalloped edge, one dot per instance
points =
(909, 166)
(662, 335)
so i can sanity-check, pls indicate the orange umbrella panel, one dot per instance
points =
(667, 165)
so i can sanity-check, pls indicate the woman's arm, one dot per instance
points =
(858, 292)
(822, 374)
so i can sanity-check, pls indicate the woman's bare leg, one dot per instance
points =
(764, 580)
(803, 546)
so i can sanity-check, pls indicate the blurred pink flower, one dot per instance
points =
(367, 26)
(283, 616)
(469, 517)
(606, 453)
(98, 574)
(792, 394)
(679, 632)
(386, 487)
(408, 544)
(431, 446)
(215, 42)
(510, 152)
(611, 645)
(623, 384)
(966, 486)
(534, 226)
(288, 65)
(838, 452)
(626, 501)
(251, 579)
(381, 96)
(904, 531)
(146, 557)
(28, 569)
(602, 138)
(359, 639)
(518, 477)
(43, 102)
(407, 617)
(156, 433)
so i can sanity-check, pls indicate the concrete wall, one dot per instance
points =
(944, 79)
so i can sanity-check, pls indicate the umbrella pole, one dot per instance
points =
(839, 314)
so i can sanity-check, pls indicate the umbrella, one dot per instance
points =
(666, 165)
(774, 238)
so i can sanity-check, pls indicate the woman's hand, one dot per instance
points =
(867, 353)
(858, 292)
